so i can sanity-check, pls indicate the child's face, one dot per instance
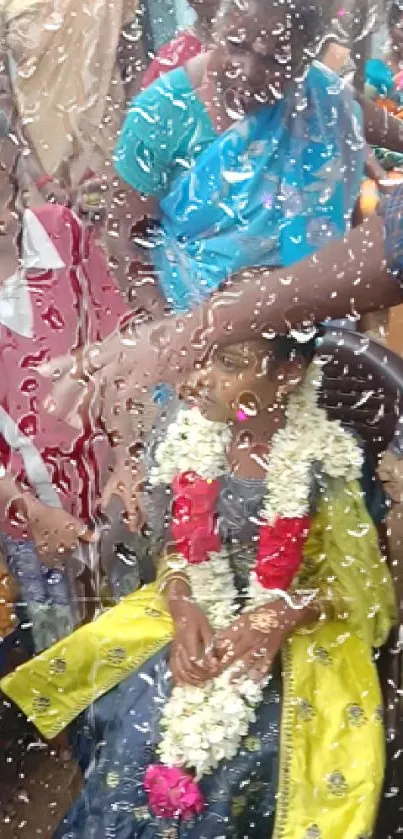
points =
(239, 382)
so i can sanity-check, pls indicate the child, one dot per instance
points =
(270, 552)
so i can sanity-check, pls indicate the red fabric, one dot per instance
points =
(72, 305)
(280, 549)
(173, 55)
(194, 524)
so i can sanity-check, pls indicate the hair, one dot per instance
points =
(395, 13)
(311, 19)
(287, 348)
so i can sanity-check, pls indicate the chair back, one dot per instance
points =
(362, 386)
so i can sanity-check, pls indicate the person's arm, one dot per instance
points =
(10, 493)
(53, 530)
(348, 276)
(252, 642)
(192, 658)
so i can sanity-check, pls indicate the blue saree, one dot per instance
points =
(271, 190)
(125, 724)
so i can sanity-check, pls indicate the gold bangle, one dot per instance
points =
(329, 609)
(164, 575)
(172, 577)
(326, 610)
(325, 613)
(306, 630)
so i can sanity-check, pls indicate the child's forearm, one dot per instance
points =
(176, 589)
(299, 617)
(299, 614)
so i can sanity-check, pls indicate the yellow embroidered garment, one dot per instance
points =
(332, 752)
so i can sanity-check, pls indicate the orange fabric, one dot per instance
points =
(388, 105)
(369, 198)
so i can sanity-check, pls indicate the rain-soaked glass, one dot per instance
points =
(201, 440)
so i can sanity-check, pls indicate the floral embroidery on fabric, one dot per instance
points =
(337, 784)
(238, 805)
(322, 656)
(169, 833)
(57, 666)
(152, 613)
(313, 832)
(112, 780)
(356, 716)
(252, 744)
(41, 704)
(141, 813)
(306, 711)
(378, 714)
(116, 656)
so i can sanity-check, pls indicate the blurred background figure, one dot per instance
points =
(66, 79)
(384, 75)
(61, 296)
(384, 79)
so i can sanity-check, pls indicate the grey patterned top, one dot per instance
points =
(238, 504)
(238, 508)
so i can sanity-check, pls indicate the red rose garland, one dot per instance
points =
(194, 521)
(195, 532)
(280, 551)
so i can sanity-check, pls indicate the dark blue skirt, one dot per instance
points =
(116, 740)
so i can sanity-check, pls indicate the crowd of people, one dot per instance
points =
(175, 239)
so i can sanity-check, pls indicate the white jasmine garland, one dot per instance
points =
(205, 725)
(202, 726)
(213, 589)
(192, 444)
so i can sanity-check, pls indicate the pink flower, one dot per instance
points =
(194, 522)
(280, 551)
(172, 793)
